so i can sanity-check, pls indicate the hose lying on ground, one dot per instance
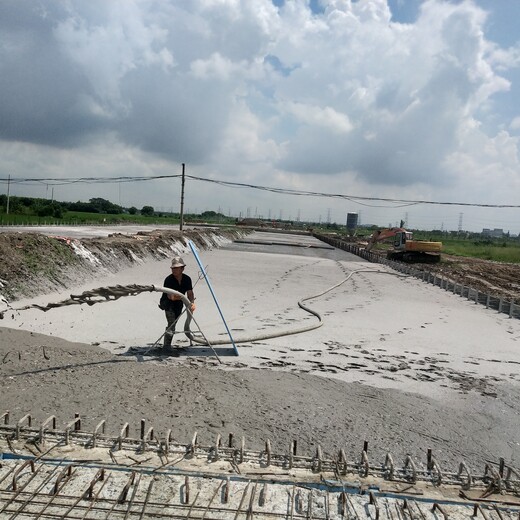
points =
(112, 293)
(300, 330)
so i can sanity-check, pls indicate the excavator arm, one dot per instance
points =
(405, 248)
(382, 234)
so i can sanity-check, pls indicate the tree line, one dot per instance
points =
(56, 209)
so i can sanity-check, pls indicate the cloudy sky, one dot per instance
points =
(393, 99)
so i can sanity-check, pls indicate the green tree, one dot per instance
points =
(105, 206)
(14, 205)
(86, 207)
(50, 209)
(28, 201)
(147, 211)
(132, 210)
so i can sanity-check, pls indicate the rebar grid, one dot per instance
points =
(503, 478)
(70, 492)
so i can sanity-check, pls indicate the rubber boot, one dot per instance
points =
(167, 343)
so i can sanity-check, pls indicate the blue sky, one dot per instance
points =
(397, 99)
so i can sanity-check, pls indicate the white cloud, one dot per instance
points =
(504, 59)
(215, 67)
(107, 52)
(515, 123)
(240, 88)
(317, 116)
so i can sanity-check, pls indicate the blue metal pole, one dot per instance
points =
(203, 271)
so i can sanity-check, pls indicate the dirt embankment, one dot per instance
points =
(32, 263)
(498, 279)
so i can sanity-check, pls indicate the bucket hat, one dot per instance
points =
(177, 261)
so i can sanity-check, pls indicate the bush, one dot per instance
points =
(53, 209)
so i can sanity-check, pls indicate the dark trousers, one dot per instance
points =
(171, 318)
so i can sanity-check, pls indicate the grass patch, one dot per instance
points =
(503, 250)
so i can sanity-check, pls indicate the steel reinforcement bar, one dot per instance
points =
(43, 490)
(44, 437)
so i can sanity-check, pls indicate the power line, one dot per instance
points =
(285, 191)
(53, 181)
(353, 198)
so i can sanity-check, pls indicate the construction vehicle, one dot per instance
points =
(405, 248)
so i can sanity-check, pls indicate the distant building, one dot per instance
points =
(352, 222)
(494, 233)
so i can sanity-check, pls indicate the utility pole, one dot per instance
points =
(181, 223)
(8, 194)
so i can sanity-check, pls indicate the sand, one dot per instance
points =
(401, 364)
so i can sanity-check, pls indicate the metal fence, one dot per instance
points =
(490, 301)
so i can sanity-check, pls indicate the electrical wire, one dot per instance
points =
(353, 198)
(285, 191)
(83, 180)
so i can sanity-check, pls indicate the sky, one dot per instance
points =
(403, 100)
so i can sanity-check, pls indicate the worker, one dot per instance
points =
(172, 304)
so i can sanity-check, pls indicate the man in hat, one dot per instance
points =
(171, 304)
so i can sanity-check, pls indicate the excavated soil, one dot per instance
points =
(498, 279)
(33, 263)
(45, 375)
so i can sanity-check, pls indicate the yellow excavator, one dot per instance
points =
(405, 248)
